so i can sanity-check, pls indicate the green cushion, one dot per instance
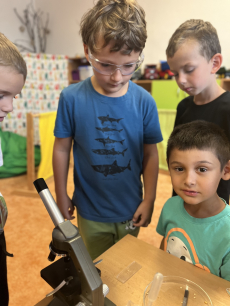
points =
(15, 155)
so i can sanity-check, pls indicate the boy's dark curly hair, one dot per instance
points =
(201, 135)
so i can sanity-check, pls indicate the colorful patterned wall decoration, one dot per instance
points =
(47, 76)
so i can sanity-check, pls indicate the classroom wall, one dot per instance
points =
(163, 17)
(9, 23)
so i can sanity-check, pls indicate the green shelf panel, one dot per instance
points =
(167, 94)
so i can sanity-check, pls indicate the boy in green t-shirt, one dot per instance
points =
(196, 223)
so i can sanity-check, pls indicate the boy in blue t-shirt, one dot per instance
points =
(115, 128)
(196, 223)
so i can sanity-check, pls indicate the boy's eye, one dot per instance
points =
(202, 169)
(105, 65)
(189, 71)
(128, 66)
(1, 97)
(179, 169)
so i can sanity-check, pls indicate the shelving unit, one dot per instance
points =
(225, 84)
(146, 84)
(73, 64)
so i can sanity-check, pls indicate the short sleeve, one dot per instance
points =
(181, 108)
(160, 226)
(64, 125)
(152, 131)
(225, 268)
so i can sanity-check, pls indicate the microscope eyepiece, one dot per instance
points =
(49, 202)
(40, 185)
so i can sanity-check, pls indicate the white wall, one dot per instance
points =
(163, 17)
(65, 16)
(9, 24)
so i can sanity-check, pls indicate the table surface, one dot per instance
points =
(152, 260)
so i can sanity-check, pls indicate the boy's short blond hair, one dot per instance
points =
(120, 21)
(11, 57)
(195, 29)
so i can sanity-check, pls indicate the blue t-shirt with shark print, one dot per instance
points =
(109, 134)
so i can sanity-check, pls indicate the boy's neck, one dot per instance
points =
(210, 208)
(209, 95)
(123, 90)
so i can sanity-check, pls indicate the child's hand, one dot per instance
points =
(66, 207)
(143, 214)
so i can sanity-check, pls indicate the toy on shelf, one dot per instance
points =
(158, 71)
(223, 73)
(150, 72)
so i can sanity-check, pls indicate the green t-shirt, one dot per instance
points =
(204, 242)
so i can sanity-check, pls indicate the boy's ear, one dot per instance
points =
(226, 171)
(216, 62)
(86, 51)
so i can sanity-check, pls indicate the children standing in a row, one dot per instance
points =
(108, 189)
(115, 128)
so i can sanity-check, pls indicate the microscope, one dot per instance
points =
(75, 279)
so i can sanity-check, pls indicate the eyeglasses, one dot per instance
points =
(109, 69)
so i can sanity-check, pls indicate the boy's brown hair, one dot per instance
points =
(195, 29)
(11, 57)
(121, 21)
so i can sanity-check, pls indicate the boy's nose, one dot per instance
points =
(190, 179)
(181, 79)
(7, 107)
(117, 75)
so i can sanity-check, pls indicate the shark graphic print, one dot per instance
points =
(109, 152)
(107, 118)
(107, 129)
(110, 144)
(109, 140)
(111, 169)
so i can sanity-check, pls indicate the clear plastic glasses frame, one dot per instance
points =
(109, 69)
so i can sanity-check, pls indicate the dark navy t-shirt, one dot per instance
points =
(108, 134)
